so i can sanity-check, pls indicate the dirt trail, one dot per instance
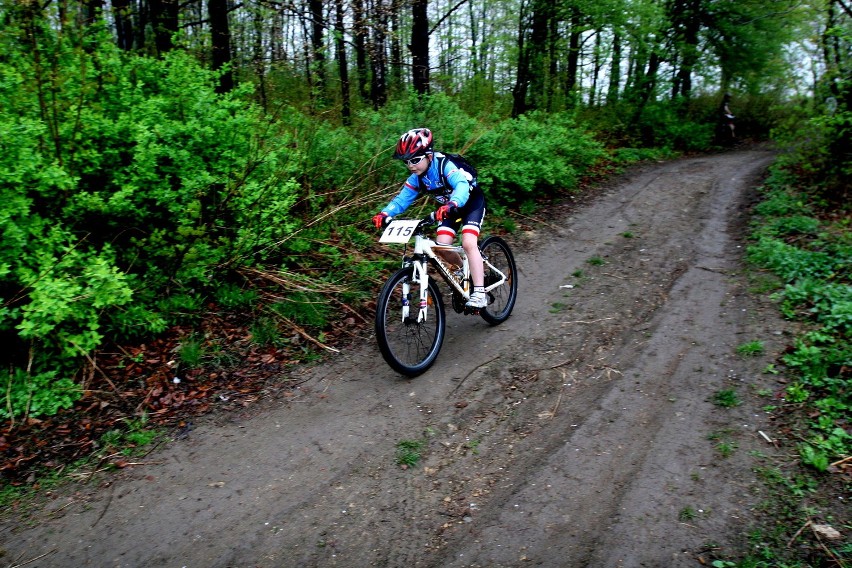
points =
(581, 432)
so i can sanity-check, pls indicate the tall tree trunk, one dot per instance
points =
(360, 36)
(686, 19)
(644, 89)
(342, 65)
(522, 79)
(92, 11)
(538, 54)
(121, 14)
(276, 37)
(573, 52)
(396, 74)
(318, 47)
(476, 59)
(220, 37)
(614, 70)
(164, 18)
(143, 20)
(420, 46)
(378, 56)
(552, 77)
(258, 60)
(596, 70)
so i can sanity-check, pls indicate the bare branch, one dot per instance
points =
(447, 15)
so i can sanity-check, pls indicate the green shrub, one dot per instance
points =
(791, 262)
(231, 296)
(36, 395)
(792, 225)
(815, 270)
(133, 180)
(780, 203)
(535, 155)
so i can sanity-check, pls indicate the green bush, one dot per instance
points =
(814, 266)
(133, 180)
(533, 156)
(791, 262)
(672, 126)
(37, 394)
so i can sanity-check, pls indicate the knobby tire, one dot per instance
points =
(409, 347)
(501, 300)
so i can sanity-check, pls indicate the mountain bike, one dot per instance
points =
(410, 312)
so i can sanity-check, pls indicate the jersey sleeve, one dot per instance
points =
(404, 198)
(457, 179)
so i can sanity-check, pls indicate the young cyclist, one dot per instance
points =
(460, 197)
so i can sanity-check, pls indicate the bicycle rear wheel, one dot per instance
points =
(501, 299)
(409, 347)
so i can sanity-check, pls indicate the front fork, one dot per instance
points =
(421, 277)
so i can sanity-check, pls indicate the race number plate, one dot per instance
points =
(399, 231)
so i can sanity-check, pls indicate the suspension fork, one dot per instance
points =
(419, 274)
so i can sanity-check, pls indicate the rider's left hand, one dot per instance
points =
(444, 211)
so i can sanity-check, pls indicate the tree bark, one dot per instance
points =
(396, 73)
(318, 46)
(360, 36)
(258, 59)
(121, 13)
(342, 65)
(686, 20)
(92, 11)
(538, 54)
(420, 46)
(614, 70)
(164, 18)
(573, 53)
(378, 56)
(220, 37)
(522, 79)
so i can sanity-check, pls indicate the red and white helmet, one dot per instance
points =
(413, 143)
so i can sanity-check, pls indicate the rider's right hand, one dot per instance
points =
(381, 219)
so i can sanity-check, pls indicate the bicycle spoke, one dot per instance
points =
(409, 346)
(501, 299)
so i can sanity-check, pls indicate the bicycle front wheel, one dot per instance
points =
(501, 299)
(409, 346)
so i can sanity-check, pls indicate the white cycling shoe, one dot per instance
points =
(477, 300)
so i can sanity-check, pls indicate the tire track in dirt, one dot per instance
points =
(571, 435)
(592, 502)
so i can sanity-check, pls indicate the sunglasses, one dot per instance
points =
(414, 161)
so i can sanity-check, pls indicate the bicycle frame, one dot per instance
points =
(411, 323)
(401, 231)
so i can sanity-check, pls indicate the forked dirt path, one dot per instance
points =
(581, 432)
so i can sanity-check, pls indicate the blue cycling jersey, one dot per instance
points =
(457, 189)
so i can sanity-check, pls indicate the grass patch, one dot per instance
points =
(751, 349)
(408, 452)
(726, 448)
(265, 331)
(557, 307)
(191, 352)
(726, 398)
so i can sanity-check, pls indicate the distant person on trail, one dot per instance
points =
(727, 117)
(462, 201)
